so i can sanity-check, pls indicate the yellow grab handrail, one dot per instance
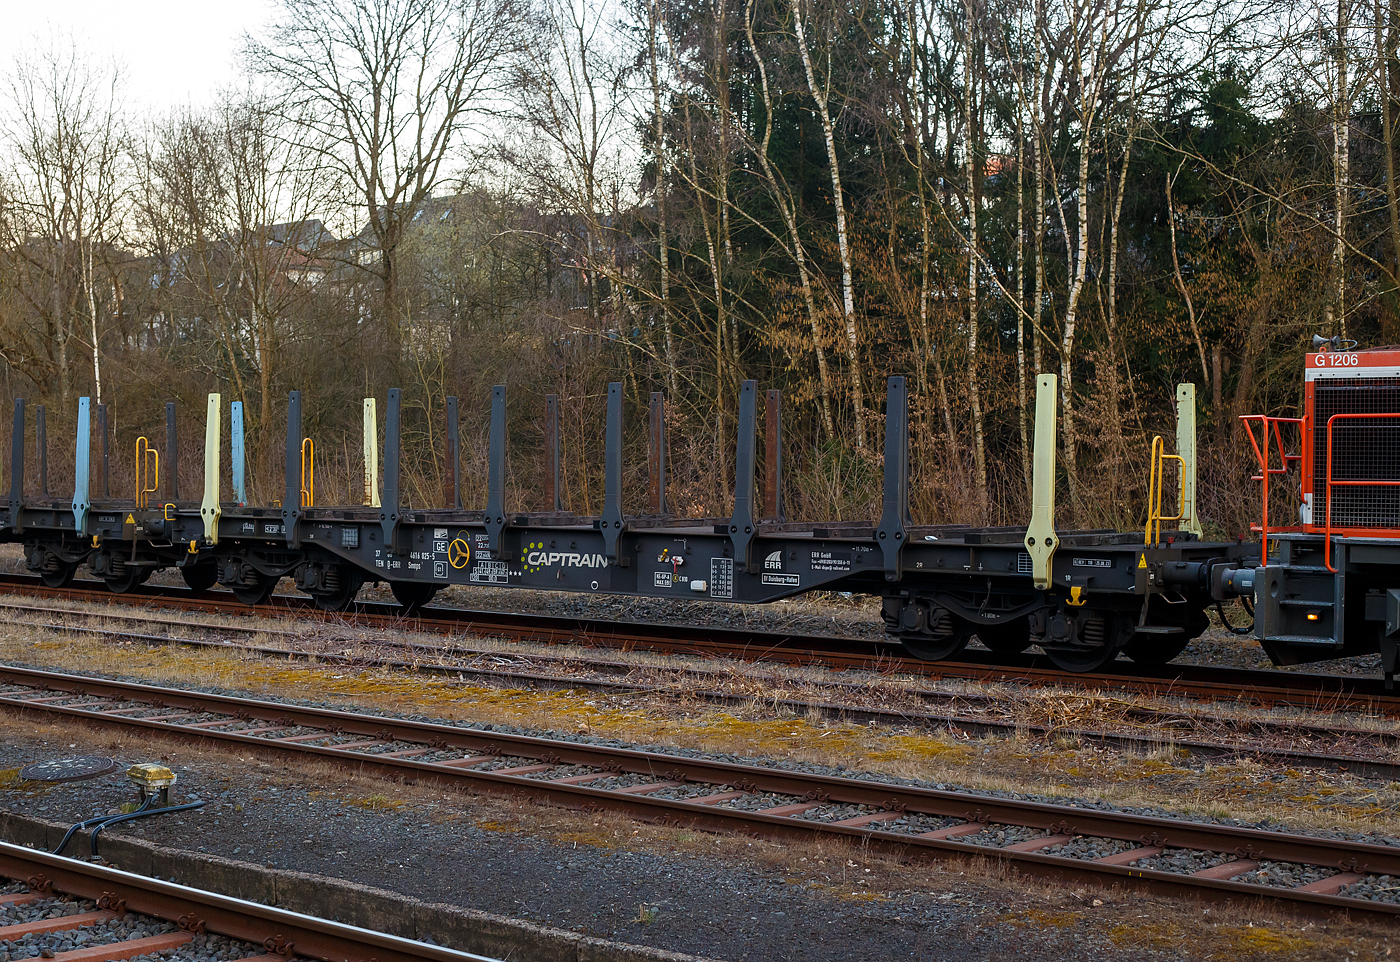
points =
(1156, 481)
(147, 471)
(308, 473)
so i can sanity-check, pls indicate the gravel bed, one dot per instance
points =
(759, 801)
(115, 930)
(151, 712)
(388, 747)
(1000, 836)
(1084, 847)
(505, 761)
(1375, 888)
(690, 790)
(203, 948)
(44, 909)
(1183, 861)
(207, 948)
(563, 771)
(614, 782)
(1286, 874)
(837, 813)
(191, 719)
(916, 823)
(275, 731)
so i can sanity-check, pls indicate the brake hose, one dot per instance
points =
(1220, 610)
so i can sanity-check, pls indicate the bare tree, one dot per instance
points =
(787, 206)
(69, 191)
(384, 90)
(236, 198)
(817, 88)
(654, 12)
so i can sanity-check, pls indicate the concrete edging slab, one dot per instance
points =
(469, 930)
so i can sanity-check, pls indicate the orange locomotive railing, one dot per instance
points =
(1348, 482)
(1272, 428)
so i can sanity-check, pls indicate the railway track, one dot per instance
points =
(1170, 856)
(69, 911)
(1363, 751)
(1267, 688)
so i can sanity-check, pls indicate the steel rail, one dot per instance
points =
(282, 933)
(1247, 686)
(1149, 834)
(1366, 766)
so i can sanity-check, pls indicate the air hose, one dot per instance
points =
(100, 822)
(1220, 610)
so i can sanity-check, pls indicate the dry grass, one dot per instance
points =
(1244, 789)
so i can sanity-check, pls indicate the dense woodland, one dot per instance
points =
(443, 195)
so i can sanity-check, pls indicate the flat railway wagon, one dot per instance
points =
(1320, 589)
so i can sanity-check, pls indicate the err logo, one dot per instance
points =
(774, 562)
(534, 557)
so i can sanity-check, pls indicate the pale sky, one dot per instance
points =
(173, 52)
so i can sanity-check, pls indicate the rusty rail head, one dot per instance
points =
(282, 932)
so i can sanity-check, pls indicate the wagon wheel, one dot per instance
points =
(945, 637)
(256, 593)
(60, 575)
(126, 578)
(1007, 638)
(412, 595)
(200, 577)
(343, 584)
(1155, 649)
(1081, 659)
(1099, 641)
(1150, 648)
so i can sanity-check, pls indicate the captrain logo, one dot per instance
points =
(533, 558)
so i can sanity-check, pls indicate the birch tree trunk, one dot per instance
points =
(1387, 31)
(1181, 283)
(1115, 427)
(1077, 256)
(1341, 162)
(782, 198)
(92, 319)
(659, 154)
(1022, 418)
(842, 238)
(979, 452)
(1038, 172)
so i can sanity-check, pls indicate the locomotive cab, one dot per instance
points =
(1328, 586)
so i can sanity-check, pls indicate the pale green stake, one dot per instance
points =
(1186, 448)
(371, 453)
(210, 509)
(1041, 540)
